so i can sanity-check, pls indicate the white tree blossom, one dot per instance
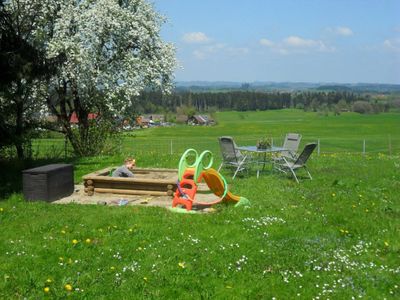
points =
(113, 49)
(103, 53)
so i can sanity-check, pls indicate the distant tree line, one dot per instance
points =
(336, 101)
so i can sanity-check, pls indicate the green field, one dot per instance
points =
(344, 133)
(335, 237)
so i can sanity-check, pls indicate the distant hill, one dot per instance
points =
(336, 88)
(285, 86)
(362, 87)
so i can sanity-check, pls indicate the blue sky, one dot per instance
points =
(343, 41)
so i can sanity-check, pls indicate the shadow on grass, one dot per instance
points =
(11, 173)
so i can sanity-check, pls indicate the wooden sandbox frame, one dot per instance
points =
(101, 182)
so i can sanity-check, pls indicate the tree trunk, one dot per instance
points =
(19, 126)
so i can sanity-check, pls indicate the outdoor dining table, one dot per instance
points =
(255, 150)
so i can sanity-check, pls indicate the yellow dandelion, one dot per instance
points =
(182, 265)
(386, 244)
(88, 241)
(74, 241)
(68, 287)
(46, 289)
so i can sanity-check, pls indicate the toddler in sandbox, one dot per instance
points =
(125, 170)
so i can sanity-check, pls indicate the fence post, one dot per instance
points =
(318, 148)
(171, 148)
(363, 152)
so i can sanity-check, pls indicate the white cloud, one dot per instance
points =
(392, 44)
(266, 42)
(195, 38)
(296, 44)
(345, 31)
(340, 30)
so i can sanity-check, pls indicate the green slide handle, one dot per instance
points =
(199, 164)
(183, 163)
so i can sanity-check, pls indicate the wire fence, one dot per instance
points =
(58, 148)
(362, 146)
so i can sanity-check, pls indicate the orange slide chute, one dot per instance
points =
(216, 184)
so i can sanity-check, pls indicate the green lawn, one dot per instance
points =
(344, 133)
(334, 237)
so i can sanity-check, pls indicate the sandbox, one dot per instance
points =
(152, 182)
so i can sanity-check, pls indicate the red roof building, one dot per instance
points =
(74, 117)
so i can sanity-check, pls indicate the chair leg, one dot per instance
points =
(294, 175)
(309, 175)
(234, 175)
(239, 166)
(291, 169)
(279, 169)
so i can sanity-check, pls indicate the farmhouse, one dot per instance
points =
(200, 120)
(74, 117)
(150, 120)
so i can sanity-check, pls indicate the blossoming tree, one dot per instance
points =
(113, 51)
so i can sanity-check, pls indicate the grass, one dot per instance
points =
(334, 237)
(344, 133)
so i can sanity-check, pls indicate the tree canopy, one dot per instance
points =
(94, 55)
(25, 27)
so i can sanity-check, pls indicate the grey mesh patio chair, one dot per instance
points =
(231, 157)
(291, 143)
(292, 166)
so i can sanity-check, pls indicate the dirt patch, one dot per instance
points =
(79, 197)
